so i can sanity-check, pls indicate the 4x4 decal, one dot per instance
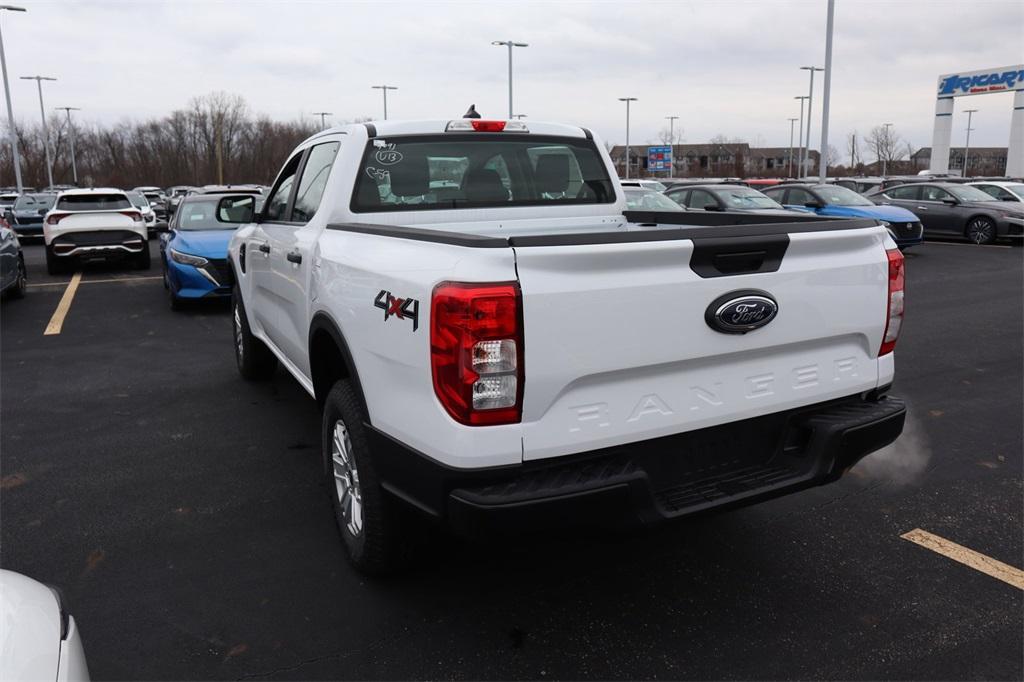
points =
(402, 308)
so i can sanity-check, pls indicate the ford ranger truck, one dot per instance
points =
(495, 342)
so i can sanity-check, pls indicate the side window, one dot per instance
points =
(930, 193)
(996, 191)
(906, 192)
(314, 181)
(277, 203)
(680, 197)
(799, 197)
(699, 199)
(775, 194)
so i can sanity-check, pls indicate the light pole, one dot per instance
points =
(384, 89)
(42, 112)
(672, 144)
(967, 147)
(806, 154)
(510, 45)
(323, 117)
(823, 153)
(800, 142)
(10, 112)
(885, 147)
(789, 159)
(627, 100)
(71, 133)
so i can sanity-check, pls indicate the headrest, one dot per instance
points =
(484, 184)
(552, 173)
(410, 177)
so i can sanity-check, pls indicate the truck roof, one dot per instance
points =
(439, 126)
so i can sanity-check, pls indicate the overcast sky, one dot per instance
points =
(723, 67)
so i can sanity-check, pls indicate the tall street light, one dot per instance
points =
(672, 144)
(800, 144)
(789, 159)
(627, 100)
(510, 45)
(806, 154)
(71, 131)
(10, 112)
(42, 112)
(885, 147)
(823, 163)
(384, 89)
(967, 148)
(323, 117)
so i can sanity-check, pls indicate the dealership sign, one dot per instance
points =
(1008, 78)
(659, 158)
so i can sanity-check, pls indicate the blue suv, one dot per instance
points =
(840, 202)
(194, 249)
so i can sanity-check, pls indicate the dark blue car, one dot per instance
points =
(25, 216)
(840, 202)
(194, 249)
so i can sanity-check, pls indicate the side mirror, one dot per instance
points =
(236, 210)
(950, 202)
(713, 207)
(814, 204)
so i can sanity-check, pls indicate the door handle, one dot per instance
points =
(264, 248)
(294, 257)
(922, 208)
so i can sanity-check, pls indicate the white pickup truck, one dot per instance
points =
(495, 341)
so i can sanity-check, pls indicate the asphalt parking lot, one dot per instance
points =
(181, 510)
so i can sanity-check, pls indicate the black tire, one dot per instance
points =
(980, 230)
(142, 259)
(21, 284)
(379, 543)
(254, 359)
(173, 299)
(55, 265)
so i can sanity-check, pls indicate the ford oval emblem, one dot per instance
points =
(739, 312)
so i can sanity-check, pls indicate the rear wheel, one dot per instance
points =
(372, 525)
(55, 265)
(21, 283)
(254, 359)
(981, 230)
(142, 260)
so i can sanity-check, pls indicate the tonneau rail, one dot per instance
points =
(694, 226)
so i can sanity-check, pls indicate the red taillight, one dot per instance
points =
(894, 314)
(55, 218)
(482, 126)
(134, 215)
(476, 351)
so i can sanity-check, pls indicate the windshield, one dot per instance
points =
(479, 170)
(201, 215)
(34, 202)
(966, 193)
(744, 197)
(93, 202)
(138, 201)
(653, 184)
(649, 200)
(834, 195)
(152, 197)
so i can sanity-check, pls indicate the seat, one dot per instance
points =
(484, 184)
(552, 174)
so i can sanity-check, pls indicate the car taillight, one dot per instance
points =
(55, 218)
(134, 215)
(482, 126)
(476, 351)
(894, 314)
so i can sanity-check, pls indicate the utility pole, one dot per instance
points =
(799, 151)
(789, 159)
(967, 148)
(885, 147)
(323, 117)
(510, 45)
(384, 89)
(806, 154)
(42, 112)
(71, 133)
(219, 132)
(10, 112)
(823, 153)
(672, 144)
(627, 100)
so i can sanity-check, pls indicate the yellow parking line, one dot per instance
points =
(967, 557)
(57, 321)
(98, 281)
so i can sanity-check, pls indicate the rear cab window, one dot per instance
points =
(93, 202)
(452, 171)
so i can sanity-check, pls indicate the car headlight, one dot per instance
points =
(188, 259)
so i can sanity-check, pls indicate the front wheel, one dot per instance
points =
(981, 230)
(254, 359)
(20, 284)
(372, 526)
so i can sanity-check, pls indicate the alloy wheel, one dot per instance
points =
(346, 479)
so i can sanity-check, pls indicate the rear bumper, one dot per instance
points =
(723, 466)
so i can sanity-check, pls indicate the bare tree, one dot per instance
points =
(885, 144)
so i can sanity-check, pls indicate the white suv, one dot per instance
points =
(94, 223)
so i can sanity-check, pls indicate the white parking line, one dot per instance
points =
(968, 557)
(972, 245)
(57, 321)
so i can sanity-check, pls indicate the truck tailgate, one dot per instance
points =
(617, 348)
